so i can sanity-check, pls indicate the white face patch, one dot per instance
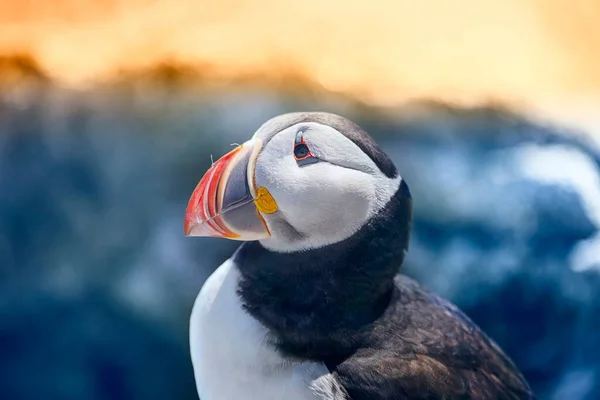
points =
(321, 203)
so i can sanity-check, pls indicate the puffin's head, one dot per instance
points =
(304, 180)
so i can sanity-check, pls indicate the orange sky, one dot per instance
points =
(540, 51)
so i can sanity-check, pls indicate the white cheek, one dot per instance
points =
(329, 200)
(275, 173)
(323, 201)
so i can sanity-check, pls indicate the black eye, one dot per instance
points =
(300, 151)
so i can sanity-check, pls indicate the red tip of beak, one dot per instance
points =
(202, 213)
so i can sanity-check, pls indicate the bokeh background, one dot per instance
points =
(111, 110)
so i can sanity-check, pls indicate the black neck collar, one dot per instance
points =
(316, 303)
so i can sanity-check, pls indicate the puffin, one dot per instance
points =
(312, 304)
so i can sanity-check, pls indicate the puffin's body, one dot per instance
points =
(312, 306)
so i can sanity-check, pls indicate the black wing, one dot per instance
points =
(425, 348)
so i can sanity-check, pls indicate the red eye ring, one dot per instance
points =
(302, 153)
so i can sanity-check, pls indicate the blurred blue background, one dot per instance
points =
(97, 280)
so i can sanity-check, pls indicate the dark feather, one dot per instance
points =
(423, 347)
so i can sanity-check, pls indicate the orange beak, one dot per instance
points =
(223, 203)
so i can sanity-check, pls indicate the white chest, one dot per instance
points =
(231, 357)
